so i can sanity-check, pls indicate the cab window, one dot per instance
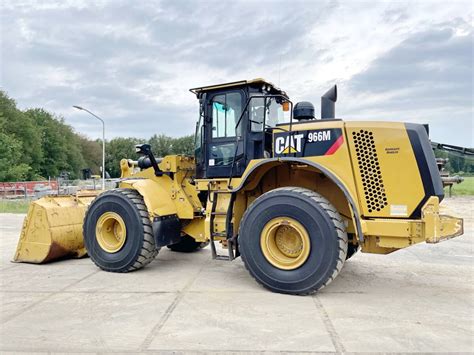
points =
(266, 112)
(226, 111)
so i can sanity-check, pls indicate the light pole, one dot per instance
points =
(103, 141)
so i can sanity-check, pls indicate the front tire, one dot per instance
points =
(292, 240)
(118, 233)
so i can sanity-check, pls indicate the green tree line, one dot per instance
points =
(36, 144)
(457, 163)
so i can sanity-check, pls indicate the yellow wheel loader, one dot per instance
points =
(293, 195)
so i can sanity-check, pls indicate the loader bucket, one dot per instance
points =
(52, 228)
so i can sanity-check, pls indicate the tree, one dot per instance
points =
(11, 168)
(184, 145)
(60, 145)
(36, 144)
(74, 159)
(161, 145)
(456, 161)
(92, 154)
(25, 132)
(118, 149)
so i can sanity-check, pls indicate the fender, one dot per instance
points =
(330, 175)
(155, 195)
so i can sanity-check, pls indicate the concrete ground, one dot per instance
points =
(416, 300)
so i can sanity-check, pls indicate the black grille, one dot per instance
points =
(370, 172)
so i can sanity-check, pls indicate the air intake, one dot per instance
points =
(370, 172)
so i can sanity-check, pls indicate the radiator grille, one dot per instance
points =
(370, 172)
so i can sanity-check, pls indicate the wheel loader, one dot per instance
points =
(294, 196)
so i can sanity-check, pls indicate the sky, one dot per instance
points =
(132, 62)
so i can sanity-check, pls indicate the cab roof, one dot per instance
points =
(257, 81)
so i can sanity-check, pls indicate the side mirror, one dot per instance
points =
(143, 149)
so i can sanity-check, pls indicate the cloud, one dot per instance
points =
(133, 62)
(427, 78)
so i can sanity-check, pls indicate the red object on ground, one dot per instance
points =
(20, 187)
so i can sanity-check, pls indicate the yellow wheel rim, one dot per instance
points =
(110, 232)
(285, 243)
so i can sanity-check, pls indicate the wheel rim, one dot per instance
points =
(285, 243)
(110, 232)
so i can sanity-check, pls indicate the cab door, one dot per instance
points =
(224, 111)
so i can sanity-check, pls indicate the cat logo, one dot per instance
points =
(289, 144)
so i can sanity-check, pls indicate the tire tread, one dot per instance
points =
(336, 220)
(148, 250)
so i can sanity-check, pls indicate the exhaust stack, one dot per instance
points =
(328, 101)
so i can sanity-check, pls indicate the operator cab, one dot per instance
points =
(235, 125)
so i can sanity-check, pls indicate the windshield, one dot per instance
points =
(268, 111)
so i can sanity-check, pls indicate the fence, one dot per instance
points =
(37, 189)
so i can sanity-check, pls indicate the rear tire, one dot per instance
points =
(284, 265)
(119, 214)
(187, 244)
